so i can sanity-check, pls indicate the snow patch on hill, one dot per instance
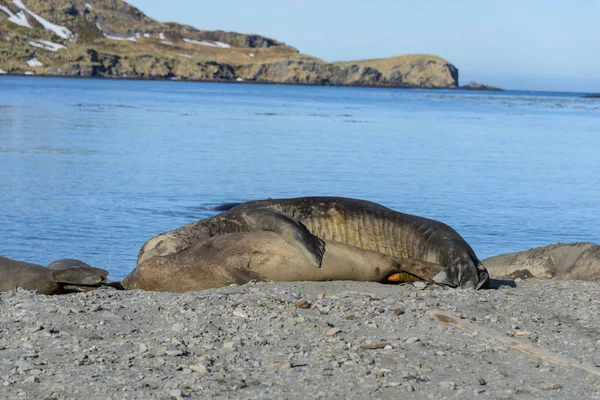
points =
(57, 29)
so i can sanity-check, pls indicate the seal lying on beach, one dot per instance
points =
(573, 261)
(62, 276)
(304, 222)
(265, 256)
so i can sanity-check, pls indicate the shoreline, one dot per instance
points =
(245, 82)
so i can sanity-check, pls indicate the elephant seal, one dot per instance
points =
(265, 256)
(574, 261)
(304, 222)
(62, 276)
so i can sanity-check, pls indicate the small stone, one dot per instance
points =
(200, 368)
(142, 348)
(420, 285)
(177, 327)
(413, 339)
(333, 331)
(240, 314)
(174, 353)
(413, 294)
(31, 379)
(482, 381)
(374, 346)
(448, 384)
(229, 345)
(321, 296)
(303, 304)
(398, 311)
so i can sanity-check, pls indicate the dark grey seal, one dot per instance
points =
(62, 276)
(304, 222)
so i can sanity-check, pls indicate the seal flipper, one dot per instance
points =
(291, 230)
(412, 269)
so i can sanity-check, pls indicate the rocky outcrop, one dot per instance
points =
(479, 86)
(110, 38)
(579, 261)
(413, 70)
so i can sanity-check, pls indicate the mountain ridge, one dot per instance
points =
(113, 39)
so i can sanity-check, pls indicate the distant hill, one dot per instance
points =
(110, 38)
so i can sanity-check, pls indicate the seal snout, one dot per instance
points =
(464, 276)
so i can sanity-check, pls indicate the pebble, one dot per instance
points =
(448, 384)
(333, 331)
(303, 304)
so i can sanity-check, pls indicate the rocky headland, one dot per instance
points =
(112, 39)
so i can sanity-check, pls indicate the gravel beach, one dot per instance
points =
(302, 340)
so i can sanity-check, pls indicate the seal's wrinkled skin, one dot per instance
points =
(62, 276)
(306, 221)
(265, 256)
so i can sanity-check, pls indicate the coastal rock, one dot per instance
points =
(110, 38)
(479, 86)
(578, 261)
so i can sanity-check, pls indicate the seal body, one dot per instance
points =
(265, 256)
(62, 276)
(359, 223)
(573, 261)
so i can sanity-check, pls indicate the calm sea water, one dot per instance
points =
(91, 169)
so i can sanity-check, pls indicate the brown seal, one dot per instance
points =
(265, 256)
(573, 261)
(306, 221)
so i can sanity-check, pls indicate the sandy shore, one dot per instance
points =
(256, 341)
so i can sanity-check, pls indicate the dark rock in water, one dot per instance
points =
(578, 261)
(479, 86)
(592, 96)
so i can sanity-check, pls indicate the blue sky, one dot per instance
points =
(514, 44)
